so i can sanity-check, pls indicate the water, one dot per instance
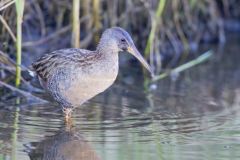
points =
(194, 117)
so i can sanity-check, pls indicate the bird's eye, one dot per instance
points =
(123, 40)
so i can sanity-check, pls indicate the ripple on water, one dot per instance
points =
(193, 118)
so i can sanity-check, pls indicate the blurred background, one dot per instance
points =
(189, 115)
(162, 30)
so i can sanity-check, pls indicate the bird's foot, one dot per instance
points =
(68, 114)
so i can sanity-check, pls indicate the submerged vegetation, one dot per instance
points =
(165, 31)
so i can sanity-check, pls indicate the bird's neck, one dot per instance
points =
(107, 47)
(109, 57)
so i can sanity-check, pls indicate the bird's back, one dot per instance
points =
(48, 64)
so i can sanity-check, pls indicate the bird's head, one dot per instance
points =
(124, 43)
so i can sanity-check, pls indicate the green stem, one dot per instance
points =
(185, 66)
(19, 8)
(155, 21)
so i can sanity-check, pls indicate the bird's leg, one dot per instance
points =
(67, 113)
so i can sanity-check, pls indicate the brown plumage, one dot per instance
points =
(73, 76)
(46, 65)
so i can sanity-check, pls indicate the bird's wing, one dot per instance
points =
(49, 63)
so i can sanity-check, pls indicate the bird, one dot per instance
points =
(72, 76)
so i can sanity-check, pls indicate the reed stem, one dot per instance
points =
(155, 21)
(19, 8)
(185, 66)
(76, 24)
(96, 19)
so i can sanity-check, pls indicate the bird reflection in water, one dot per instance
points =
(65, 145)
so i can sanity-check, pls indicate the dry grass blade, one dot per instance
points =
(76, 24)
(5, 4)
(8, 28)
(47, 38)
(24, 93)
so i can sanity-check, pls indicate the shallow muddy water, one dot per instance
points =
(196, 116)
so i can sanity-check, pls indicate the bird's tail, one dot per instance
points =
(28, 75)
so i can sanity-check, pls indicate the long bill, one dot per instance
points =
(133, 50)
